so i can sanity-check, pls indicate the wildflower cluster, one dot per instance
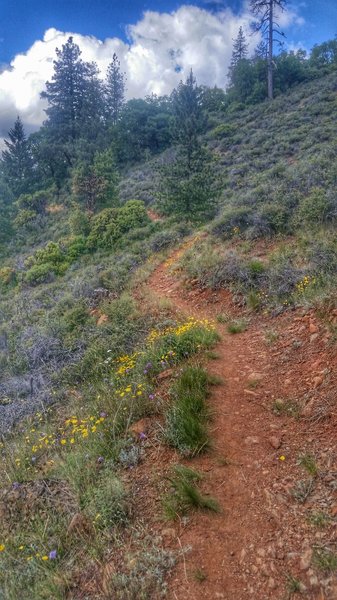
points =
(126, 363)
(72, 431)
(130, 392)
(28, 552)
(181, 329)
(307, 280)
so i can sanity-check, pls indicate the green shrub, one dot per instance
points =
(104, 231)
(106, 501)
(315, 209)
(40, 274)
(51, 254)
(223, 131)
(79, 222)
(8, 277)
(232, 221)
(133, 214)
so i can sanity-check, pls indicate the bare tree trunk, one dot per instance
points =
(270, 51)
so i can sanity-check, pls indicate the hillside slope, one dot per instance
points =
(208, 345)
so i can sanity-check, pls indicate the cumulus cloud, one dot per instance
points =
(161, 49)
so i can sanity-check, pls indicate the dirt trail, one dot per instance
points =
(262, 534)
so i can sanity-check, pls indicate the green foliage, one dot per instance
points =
(17, 162)
(237, 326)
(111, 224)
(186, 496)
(143, 129)
(79, 222)
(114, 90)
(41, 273)
(187, 417)
(25, 217)
(73, 95)
(316, 209)
(223, 130)
(189, 186)
(106, 502)
(8, 277)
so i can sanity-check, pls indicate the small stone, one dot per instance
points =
(305, 559)
(313, 337)
(250, 393)
(308, 409)
(271, 583)
(254, 569)
(139, 427)
(170, 532)
(275, 442)
(103, 319)
(317, 381)
(165, 374)
(313, 327)
(252, 440)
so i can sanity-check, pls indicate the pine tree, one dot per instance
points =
(114, 90)
(240, 48)
(264, 13)
(73, 94)
(189, 118)
(17, 160)
(188, 185)
(240, 53)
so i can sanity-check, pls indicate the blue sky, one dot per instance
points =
(24, 21)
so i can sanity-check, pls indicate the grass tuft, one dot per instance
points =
(185, 496)
(187, 417)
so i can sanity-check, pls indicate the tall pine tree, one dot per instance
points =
(114, 90)
(73, 94)
(264, 12)
(188, 185)
(240, 53)
(17, 161)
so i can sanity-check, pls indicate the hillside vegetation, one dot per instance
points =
(86, 348)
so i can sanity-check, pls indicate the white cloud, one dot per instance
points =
(162, 48)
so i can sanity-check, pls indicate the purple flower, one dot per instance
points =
(100, 460)
(33, 459)
(145, 372)
(16, 485)
(53, 554)
(151, 396)
(103, 414)
(142, 436)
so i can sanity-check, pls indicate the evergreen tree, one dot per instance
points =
(95, 185)
(114, 90)
(264, 13)
(73, 94)
(189, 118)
(17, 161)
(239, 65)
(188, 185)
(240, 49)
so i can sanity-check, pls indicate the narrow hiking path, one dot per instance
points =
(261, 545)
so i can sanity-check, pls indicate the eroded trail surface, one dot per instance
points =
(276, 404)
